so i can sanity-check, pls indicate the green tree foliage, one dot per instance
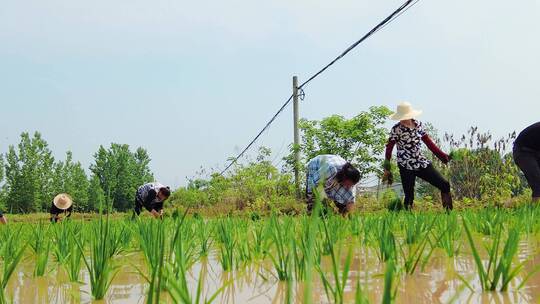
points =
(30, 177)
(482, 168)
(359, 140)
(255, 184)
(96, 195)
(2, 193)
(120, 173)
(28, 170)
(69, 177)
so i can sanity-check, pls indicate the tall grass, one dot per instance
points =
(227, 243)
(12, 249)
(281, 237)
(389, 291)
(74, 260)
(499, 271)
(335, 287)
(41, 245)
(105, 242)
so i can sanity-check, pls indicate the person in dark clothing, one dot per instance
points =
(3, 219)
(527, 157)
(151, 196)
(408, 135)
(62, 205)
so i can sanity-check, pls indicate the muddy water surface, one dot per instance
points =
(437, 282)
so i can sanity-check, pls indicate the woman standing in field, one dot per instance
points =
(408, 134)
(62, 204)
(151, 196)
(338, 179)
(527, 157)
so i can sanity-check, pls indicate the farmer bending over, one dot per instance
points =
(62, 204)
(339, 178)
(3, 219)
(527, 157)
(408, 134)
(151, 196)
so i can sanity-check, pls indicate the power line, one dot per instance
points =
(379, 26)
(398, 12)
(258, 135)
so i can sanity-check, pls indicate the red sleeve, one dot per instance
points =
(389, 148)
(433, 147)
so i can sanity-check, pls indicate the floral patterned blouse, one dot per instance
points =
(409, 146)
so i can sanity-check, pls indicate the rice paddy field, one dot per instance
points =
(480, 256)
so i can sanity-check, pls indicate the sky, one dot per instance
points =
(194, 81)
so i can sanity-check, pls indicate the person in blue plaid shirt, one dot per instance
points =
(338, 177)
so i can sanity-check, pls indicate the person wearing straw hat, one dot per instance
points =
(408, 134)
(62, 205)
(337, 177)
(151, 196)
(526, 154)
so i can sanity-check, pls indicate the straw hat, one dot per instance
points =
(62, 201)
(405, 111)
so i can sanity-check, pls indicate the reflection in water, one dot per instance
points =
(436, 281)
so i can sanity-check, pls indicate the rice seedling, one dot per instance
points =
(499, 270)
(152, 243)
(310, 232)
(335, 291)
(243, 249)
(62, 245)
(386, 241)
(178, 288)
(416, 227)
(227, 243)
(74, 260)
(450, 232)
(280, 233)
(104, 242)
(204, 237)
(12, 249)
(390, 291)
(359, 296)
(41, 247)
(415, 252)
(259, 242)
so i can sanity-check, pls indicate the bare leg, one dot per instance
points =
(3, 220)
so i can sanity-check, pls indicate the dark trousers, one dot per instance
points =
(429, 174)
(528, 161)
(138, 205)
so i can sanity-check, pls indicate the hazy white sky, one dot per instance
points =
(194, 81)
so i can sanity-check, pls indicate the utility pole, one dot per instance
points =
(296, 146)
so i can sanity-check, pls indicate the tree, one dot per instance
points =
(359, 140)
(69, 177)
(120, 173)
(142, 169)
(96, 195)
(28, 168)
(2, 192)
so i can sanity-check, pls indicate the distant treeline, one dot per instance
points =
(31, 177)
(482, 170)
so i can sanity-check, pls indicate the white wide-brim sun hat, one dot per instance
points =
(63, 201)
(405, 111)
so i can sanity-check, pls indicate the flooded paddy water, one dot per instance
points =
(438, 277)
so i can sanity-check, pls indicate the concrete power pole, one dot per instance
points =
(296, 138)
